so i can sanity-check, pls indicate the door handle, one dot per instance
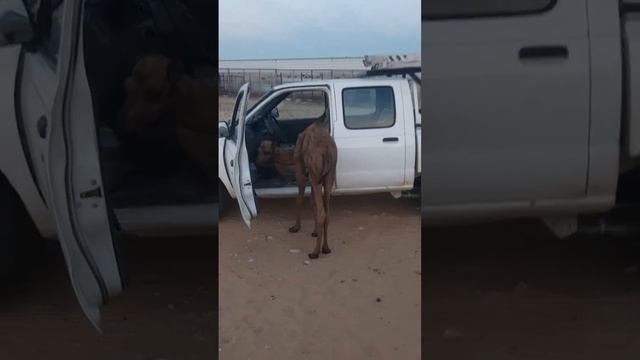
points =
(390, 139)
(96, 192)
(544, 51)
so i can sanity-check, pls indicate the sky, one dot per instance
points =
(265, 29)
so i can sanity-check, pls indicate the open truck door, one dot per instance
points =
(236, 159)
(75, 188)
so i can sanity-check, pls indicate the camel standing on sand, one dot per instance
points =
(316, 154)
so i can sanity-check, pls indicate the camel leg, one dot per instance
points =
(300, 178)
(328, 185)
(320, 215)
(315, 214)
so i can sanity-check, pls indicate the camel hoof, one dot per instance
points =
(326, 251)
(314, 234)
(294, 229)
(313, 256)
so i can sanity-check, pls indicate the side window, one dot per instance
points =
(301, 105)
(369, 108)
(442, 9)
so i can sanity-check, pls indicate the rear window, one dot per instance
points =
(368, 108)
(442, 9)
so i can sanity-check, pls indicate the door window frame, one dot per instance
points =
(393, 98)
(259, 106)
(325, 101)
(236, 108)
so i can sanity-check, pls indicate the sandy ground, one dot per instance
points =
(360, 302)
(168, 312)
(513, 291)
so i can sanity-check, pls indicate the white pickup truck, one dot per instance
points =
(532, 108)
(375, 123)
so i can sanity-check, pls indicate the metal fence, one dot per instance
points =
(263, 80)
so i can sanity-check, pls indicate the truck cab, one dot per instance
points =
(374, 122)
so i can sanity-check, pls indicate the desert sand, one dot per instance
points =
(360, 302)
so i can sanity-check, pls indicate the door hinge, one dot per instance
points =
(97, 192)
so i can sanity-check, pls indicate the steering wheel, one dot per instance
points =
(272, 126)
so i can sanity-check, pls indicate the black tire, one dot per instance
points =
(20, 244)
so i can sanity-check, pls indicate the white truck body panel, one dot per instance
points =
(606, 92)
(236, 160)
(508, 101)
(364, 160)
(84, 228)
(67, 162)
(13, 161)
(36, 102)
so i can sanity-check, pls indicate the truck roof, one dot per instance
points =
(330, 82)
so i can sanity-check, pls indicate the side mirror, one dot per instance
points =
(275, 113)
(223, 130)
(15, 26)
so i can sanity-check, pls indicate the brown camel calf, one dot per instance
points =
(316, 155)
(272, 155)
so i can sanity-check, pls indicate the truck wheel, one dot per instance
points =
(20, 243)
